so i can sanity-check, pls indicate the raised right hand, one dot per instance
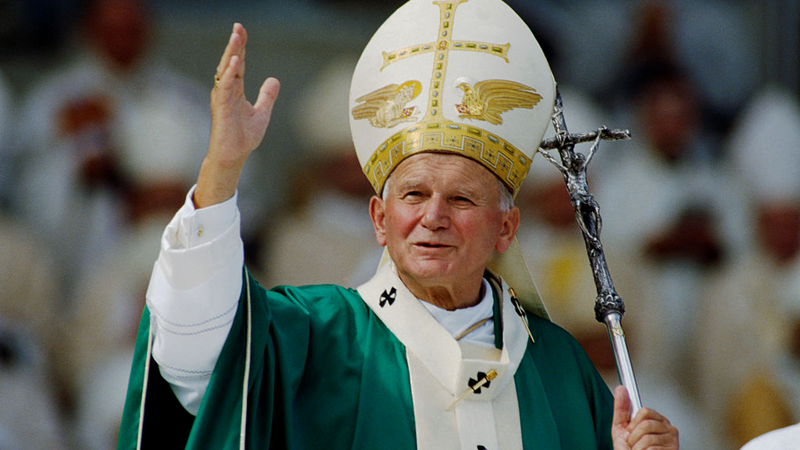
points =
(237, 126)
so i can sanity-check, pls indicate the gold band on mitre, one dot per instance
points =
(465, 77)
(495, 153)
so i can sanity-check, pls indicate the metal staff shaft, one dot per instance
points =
(609, 307)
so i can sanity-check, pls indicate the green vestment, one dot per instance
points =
(326, 373)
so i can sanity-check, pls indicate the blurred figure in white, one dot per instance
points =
(29, 416)
(750, 333)
(111, 141)
(99, 332)
(781, 439)
(667, 212)
(112, 134)
(99, 408)
(328, 237)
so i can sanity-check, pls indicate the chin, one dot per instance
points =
(425, 269)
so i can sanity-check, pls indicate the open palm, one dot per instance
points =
(237, 126)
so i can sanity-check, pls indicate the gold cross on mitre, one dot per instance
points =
(445, 42)
(442, 48)
(467, 98)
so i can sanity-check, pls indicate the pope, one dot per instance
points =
(447, 106)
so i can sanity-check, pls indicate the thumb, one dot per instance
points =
(267, 96)
(268, 93)
(622, 407)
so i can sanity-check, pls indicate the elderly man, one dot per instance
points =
(430, 353)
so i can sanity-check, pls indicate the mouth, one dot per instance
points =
(431, 245)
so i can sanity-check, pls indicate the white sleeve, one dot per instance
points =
(193, 295)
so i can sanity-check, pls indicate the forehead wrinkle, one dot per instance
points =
(479, 194)
(470, 187)
(427, 173)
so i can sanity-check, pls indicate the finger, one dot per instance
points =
(230, 75)
(666, 440)
(655, 441)
(239, 29)
(227, 90)
(232, 48)
(645, 436)
(646, 414)
(622, 407)
(242, 32)
(649, 424)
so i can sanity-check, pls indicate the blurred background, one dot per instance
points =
(104, 122)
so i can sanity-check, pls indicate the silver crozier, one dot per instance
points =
(609, 307)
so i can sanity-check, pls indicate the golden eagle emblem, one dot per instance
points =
(386, 107)
(488, 99)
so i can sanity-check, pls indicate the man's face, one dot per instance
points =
(119, 30)
(441, 220)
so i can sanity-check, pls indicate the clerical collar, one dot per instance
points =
(458, 321)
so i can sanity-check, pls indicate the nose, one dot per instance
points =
(436, 213)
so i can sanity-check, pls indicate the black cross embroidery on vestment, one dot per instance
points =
(388, 297)
(481, 376)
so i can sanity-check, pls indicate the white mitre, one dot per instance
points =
(465, 77)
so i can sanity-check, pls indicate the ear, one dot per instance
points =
(377, 212)
(508, 230)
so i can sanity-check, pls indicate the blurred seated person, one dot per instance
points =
(666, 211)
(751, 309)
(326, 236)
(92, 133)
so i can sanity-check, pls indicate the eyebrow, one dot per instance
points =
(408, 184)
(418, 184)
(468, 193)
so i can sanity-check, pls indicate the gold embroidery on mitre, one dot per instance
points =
(509, 163)
(442, 49)
(386, 107)
(488, 99)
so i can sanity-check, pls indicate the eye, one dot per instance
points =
(412, 195)
(462, 200)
